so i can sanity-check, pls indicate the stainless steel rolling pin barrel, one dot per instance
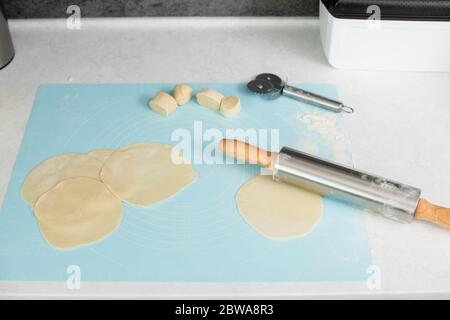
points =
(392, 199)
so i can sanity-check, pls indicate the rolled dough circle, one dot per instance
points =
(53, 170)
(146, 173)
(277, 210)
(101, 154)
(77, 211)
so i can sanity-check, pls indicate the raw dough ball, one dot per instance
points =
(51, 171)
(145, 173)
(77, 211)
(101, 154)
(182, 94)
(230, 106)
(278, 210)
(163, 103)
(209, 98)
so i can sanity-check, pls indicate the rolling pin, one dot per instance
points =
(392, 199)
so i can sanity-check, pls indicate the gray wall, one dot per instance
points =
(136, 8)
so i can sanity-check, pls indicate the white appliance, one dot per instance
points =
(386, 35)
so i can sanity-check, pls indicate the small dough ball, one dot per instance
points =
(209, 98)
(182, 94)
(230, 106)
(163, 103)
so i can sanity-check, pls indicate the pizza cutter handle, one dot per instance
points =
(315, 99)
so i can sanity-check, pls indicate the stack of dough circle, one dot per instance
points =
(146, 173)
(101, 154)
(77, 198)
(278, 211)
(51, 171)
(77, 211)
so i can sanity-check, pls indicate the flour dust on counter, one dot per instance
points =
(325, 125)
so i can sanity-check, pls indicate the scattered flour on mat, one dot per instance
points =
(325, 126)
(309, 147)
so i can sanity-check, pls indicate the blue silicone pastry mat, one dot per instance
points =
(195, 236)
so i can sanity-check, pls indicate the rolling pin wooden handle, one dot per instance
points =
(433, 213)
(245, 152)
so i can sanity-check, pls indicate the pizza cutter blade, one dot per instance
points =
(260, 86)
(275, 80)
(270, 83)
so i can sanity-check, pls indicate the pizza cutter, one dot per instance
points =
(266, 83)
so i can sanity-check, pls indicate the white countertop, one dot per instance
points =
(401, 127)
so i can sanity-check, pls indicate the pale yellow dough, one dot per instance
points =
(230, 106)
(51, 171)
(101, 154)
(146, 173)
(182, 94)
(278, 210)
(76, 212)
(209, 98)
(163, 103)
